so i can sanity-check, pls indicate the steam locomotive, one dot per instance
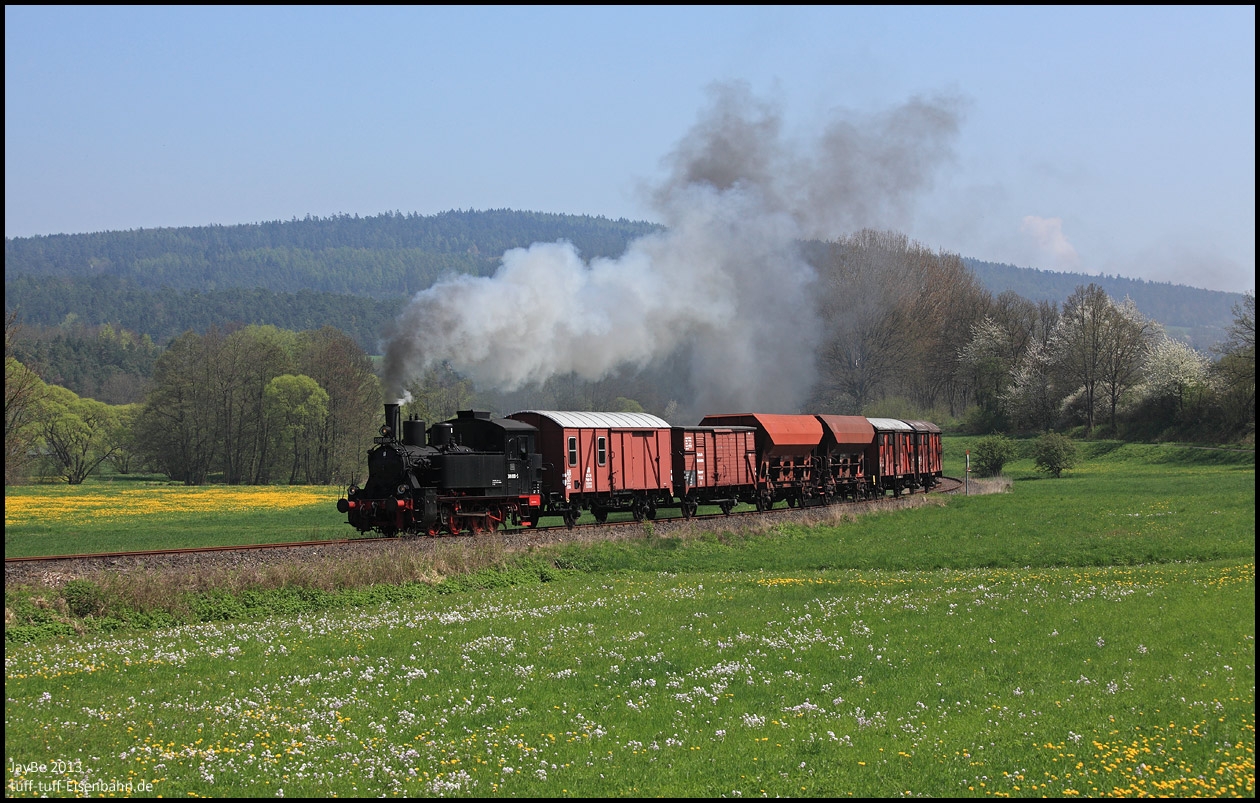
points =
(476, 473)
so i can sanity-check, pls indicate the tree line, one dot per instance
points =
(1096, 362)
(912, 332)
(62, 305)
(380, 256)
(257, 405)
(1197, 316)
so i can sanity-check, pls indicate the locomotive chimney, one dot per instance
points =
(393, 420)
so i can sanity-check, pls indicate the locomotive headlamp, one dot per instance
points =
(402, 489)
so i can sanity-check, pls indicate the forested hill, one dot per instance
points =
(1200, 316)
(384, 256)
(354, 273)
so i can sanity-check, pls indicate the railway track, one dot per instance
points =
(551, 534)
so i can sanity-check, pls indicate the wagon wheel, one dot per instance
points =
(689, 508)
(570, 518)
(651, 512)
(601, 514)
(638, 512)
(727, 507)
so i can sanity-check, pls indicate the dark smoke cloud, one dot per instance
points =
(725, 280)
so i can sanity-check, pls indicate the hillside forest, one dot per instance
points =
(242, 354)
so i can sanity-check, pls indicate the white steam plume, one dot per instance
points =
(725, 278)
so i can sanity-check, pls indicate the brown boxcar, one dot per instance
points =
(842, 456)
(786, 449)
(713, 466)
(890, 460)
(602, 462)
(927, 453)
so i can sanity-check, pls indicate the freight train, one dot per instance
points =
(476, 473)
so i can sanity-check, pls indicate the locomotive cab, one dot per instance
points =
(489, 456)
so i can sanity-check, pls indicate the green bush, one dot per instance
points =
(84, 598)
(992, 452)
(1052, 453)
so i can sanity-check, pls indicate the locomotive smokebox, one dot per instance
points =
(393, 420)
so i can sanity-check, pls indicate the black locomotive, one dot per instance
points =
(474, 474)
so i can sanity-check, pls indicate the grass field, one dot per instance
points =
(1087, 636)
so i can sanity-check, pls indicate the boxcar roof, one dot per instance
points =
(601, 420)
(890, 423)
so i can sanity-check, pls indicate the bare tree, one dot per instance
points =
(895, 313)
(344, 371)
(177, 428)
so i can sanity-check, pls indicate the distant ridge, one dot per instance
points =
(292, 273)
(1196, 315)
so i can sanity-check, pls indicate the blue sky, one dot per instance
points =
(1100, 140)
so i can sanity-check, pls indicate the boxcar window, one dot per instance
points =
(573, 451)
(602, 447)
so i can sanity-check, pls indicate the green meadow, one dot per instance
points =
(1092, 635)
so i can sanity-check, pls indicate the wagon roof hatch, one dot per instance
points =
(783, 431)
(849, 429)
